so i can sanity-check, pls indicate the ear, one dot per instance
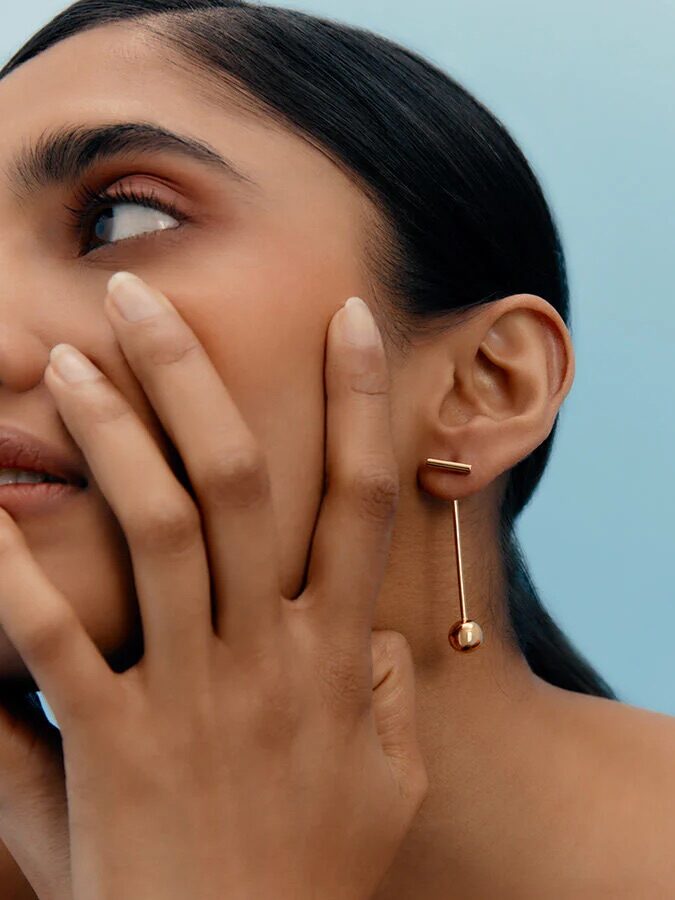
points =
(513, 367)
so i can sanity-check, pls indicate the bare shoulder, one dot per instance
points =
(623, 760)
(638, 734)
(602, 716)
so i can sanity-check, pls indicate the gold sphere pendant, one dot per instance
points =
(465, 636)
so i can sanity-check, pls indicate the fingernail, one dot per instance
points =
(359, 326)
(133, 297)
(71, 365)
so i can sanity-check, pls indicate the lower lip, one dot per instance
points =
(19, 499)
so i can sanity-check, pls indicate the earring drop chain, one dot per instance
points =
(464, 635)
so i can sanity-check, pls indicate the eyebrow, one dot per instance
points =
(65, 154)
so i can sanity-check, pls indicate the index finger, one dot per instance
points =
(351, 543)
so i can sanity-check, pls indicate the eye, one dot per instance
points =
(111, 216)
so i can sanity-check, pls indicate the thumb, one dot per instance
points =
(393, 707)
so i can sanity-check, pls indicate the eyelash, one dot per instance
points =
(90, 202)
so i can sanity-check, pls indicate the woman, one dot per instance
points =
(362, 170)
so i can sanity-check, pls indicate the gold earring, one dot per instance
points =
(464, 635)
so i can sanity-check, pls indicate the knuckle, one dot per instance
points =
(108, 408)
(168, 526)
(47, 638)
(396, 647)
(375, 491)
(166, 350)
(87, 707)
(273, 713)
(389, 649)
(239, 480)
(266, 666)
(374, 382)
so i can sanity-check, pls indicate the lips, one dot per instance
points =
(21, 450)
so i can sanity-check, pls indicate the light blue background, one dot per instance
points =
(586, 88)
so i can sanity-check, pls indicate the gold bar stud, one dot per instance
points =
(458, 467)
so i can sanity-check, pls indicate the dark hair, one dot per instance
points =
(463, 220)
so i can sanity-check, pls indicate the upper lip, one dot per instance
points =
(21, 450)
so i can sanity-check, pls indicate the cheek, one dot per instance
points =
(269, 352)
(262, 285)
(261, 305)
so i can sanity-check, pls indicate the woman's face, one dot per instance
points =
(257, 270)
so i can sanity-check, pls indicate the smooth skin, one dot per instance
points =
(530, 786)
(283, 761)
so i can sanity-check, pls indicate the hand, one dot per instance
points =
(269, 750)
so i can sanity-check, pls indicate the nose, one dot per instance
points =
(24, 348)
(23, 358)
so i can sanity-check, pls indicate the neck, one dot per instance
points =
(480, 734)
(486, 726)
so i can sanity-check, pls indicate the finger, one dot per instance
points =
(394, 713)
(45, 630)
(156, 513)
(225, 465)
(351, 544)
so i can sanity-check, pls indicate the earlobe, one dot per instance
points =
(514, 365)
